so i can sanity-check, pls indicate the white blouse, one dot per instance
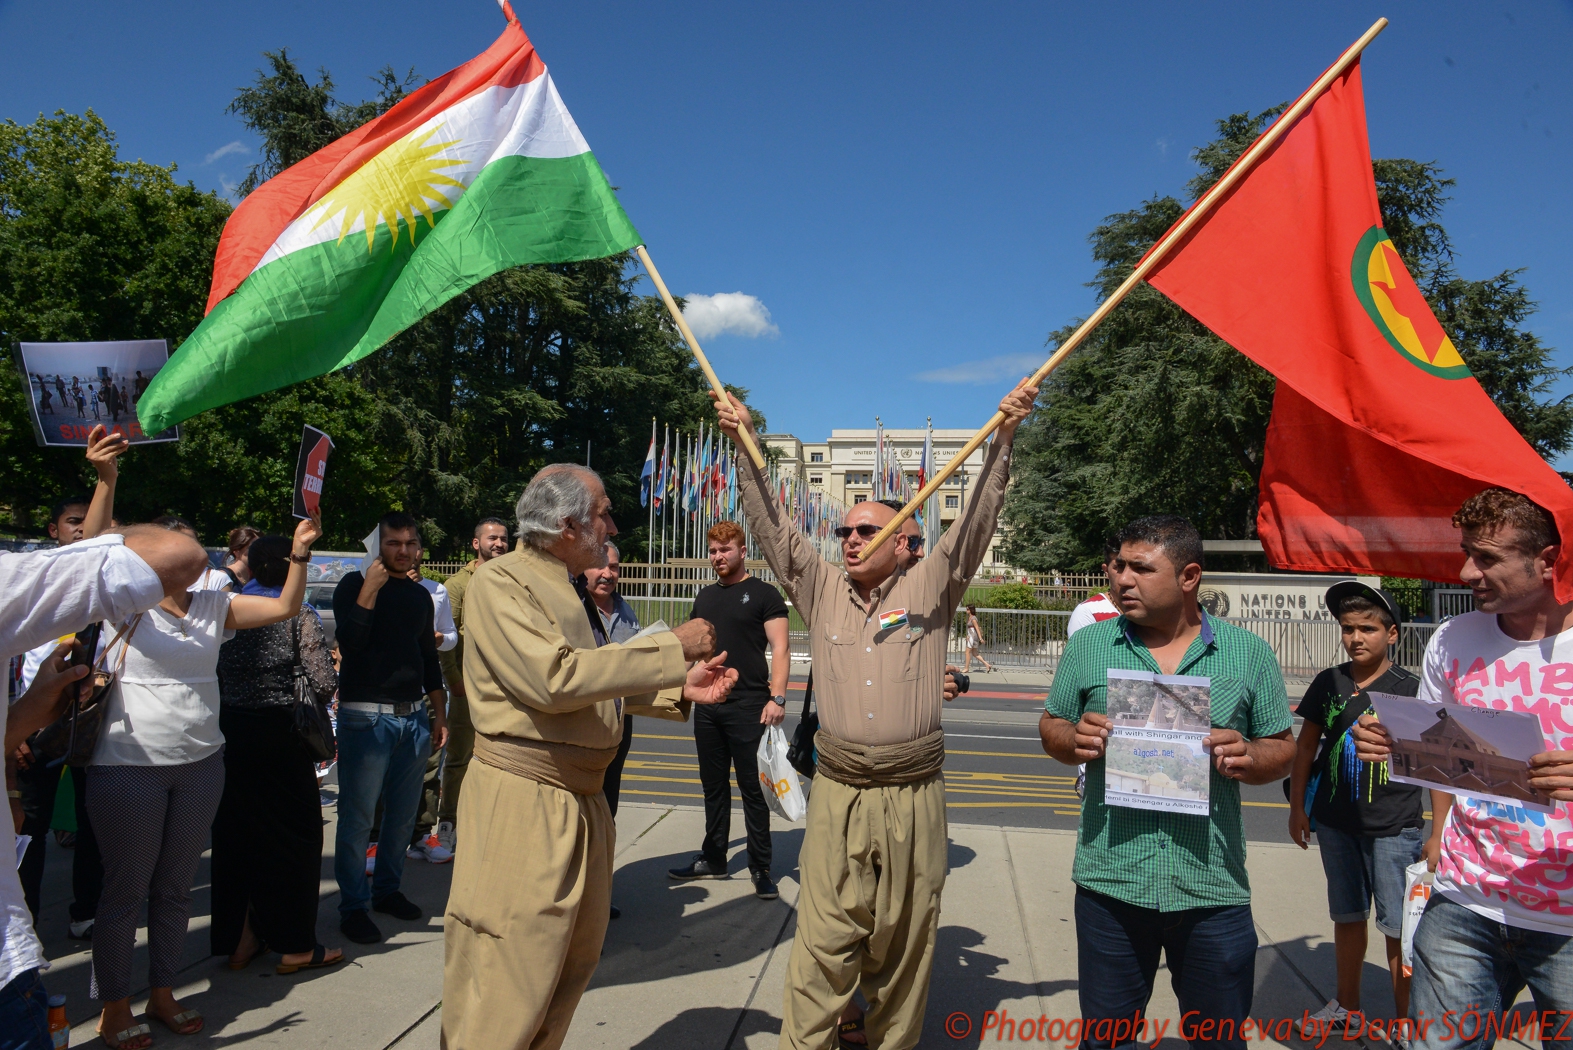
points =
(163, 710)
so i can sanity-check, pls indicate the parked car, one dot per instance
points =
(320, 597)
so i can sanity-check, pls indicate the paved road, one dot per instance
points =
(995, 768)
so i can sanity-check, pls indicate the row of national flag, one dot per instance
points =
(696, 475)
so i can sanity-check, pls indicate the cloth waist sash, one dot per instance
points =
(580, 770)
(880, 765)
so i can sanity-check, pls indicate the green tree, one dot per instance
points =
(1155, 414)
(93, 247)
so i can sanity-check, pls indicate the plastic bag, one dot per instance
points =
(783, 790)
(1417, 893)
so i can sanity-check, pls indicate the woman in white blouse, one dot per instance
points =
(156, 778)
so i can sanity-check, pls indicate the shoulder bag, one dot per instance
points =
(801, 751)
(311, 722)
(73, 737)
(1330, 735)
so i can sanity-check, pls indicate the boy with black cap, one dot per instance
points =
(1368, 829)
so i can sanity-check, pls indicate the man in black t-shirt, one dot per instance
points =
(1368, 830)
(747, 614)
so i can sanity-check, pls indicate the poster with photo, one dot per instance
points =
(1154, 758)
(73, 387)
(1477, 752)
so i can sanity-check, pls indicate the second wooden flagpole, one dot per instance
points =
(1176, 233)
(699, 355)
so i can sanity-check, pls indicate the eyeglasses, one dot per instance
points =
(868, 532)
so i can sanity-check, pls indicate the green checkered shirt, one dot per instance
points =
(1169, 861)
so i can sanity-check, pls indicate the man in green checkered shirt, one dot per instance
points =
(1148, 882)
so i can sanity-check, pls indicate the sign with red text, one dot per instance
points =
(73, 387)
(311, 470)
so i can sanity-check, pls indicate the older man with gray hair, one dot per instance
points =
(531, 891)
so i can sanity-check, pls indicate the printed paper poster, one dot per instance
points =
(1477, 752)
(311, 470)
(73, 387)
(1154, 758)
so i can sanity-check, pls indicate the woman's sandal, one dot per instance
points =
(126, 1035)
(262, 949)
(319, 960)
(181, 1022)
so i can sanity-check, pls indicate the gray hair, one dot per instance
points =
(611, 548)
(557, 494)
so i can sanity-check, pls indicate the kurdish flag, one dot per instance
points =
(480, 170)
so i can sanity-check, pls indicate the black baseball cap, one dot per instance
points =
(1355, 589)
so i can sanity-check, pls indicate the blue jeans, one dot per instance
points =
(1363, 868)
(1469, 969)
(1212, 965)
(379, 755)
(24, 1014)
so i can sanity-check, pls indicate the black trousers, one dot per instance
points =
(267, 835)
(726, 737)
(38, 785)
(614, 772)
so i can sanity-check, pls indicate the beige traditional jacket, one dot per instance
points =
(879, 666)
(532, 668)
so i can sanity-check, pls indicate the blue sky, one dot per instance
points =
(907, 190)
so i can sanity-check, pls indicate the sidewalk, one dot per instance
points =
(703, 964)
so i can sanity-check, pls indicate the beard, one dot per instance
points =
(590, 551)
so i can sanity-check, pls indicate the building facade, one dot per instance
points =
(844, 466)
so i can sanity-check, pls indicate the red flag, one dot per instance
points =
(1379, 431)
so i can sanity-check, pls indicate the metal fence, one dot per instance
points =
(1018, 639)
(1026, 640)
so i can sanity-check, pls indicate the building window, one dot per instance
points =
(952, 502)
(816, 457)
(860, 498)
(816, 479)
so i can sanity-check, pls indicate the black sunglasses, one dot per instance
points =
(868, 532)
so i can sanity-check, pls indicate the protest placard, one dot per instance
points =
(1154, 758)
(73, 387)
(1478, 752)
(311, 470)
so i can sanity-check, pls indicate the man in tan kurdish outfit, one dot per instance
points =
(874, 851)
(531, 891)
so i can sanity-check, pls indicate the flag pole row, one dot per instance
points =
(689, 483)
(1176, 233)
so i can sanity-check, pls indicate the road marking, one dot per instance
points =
(980, 736)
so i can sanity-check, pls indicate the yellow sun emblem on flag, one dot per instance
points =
(399, 183)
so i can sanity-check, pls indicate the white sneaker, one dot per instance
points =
(1330, 1018)
(429, 849)
(446, 836)
(82, 931)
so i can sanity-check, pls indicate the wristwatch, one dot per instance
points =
(778, 700)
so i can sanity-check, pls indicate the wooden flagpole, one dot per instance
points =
(1199, 211)
(699, 355)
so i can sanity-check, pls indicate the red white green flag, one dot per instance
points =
(478, 171)
(1379, 431)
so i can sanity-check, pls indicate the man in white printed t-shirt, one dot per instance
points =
(1501, 914)
(1098, 607)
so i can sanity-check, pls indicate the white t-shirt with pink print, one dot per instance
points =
(1506, 863)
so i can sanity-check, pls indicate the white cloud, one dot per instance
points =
(728, 313)
(226, 150)
(988, 370)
